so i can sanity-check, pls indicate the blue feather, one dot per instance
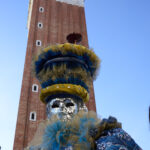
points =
(57, 134)
(39, 64)
(49, 139)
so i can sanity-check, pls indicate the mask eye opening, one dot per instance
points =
(69, 104)
(55, 105)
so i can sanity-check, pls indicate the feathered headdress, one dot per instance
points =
(66, 68)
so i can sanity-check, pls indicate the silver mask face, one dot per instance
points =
(64, 108)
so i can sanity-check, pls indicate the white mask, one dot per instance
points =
(64, 108)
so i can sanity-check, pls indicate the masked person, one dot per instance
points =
(65, 73)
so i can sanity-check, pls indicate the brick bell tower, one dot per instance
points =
(49, 22)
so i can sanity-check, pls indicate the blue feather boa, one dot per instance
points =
(80, 133)
(61, 135)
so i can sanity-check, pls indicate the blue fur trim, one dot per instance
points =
(39, 64)
(71, 80)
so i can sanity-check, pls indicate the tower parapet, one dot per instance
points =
(73, 2)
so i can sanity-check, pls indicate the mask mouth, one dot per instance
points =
(65, 113)
(64, 116)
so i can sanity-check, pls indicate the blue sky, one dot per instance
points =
(119, 33)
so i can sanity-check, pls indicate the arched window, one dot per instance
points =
(34, 88)
(40, 25)
(41, 9)
(38, 43)
(32, 116)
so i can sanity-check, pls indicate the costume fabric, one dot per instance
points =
(116, 139)
(84, 132)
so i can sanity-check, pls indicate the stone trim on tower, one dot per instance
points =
(73, 2)
(29, 13)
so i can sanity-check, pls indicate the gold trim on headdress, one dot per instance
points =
(64, 88)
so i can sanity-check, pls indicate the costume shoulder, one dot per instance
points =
(114, 138)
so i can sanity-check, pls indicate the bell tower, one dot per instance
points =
(49, 22)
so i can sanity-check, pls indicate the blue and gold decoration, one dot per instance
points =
(84, 132)
(64, 88)
(71, 65)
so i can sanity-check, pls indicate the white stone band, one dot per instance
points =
(73, 2)
(29, 13)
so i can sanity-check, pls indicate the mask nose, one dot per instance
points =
(62, 106)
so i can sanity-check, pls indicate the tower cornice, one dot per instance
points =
(73, 2)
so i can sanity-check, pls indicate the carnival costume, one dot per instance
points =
(65, 72)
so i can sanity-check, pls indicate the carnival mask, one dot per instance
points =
(64, 108)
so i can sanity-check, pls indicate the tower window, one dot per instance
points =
(34, 88)
(74, 38)
(40, 25)
(32, 116)
(41, 9)
(38, 43)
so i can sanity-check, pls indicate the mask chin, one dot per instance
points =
(63, 116)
